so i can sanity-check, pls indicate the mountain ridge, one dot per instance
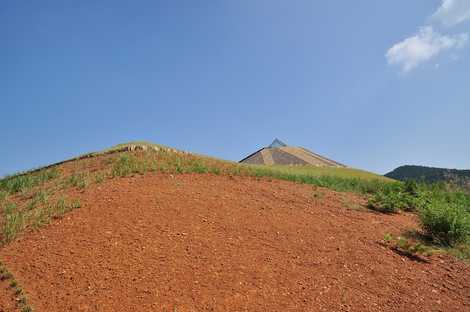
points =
(459, 177)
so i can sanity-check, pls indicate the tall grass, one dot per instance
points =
(3, 196)
(341, 183)
(317, 171)
(16, 219)
(339, 179)
(76, 180)
(13, 222)
(24, 182)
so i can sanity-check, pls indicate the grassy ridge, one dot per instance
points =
(339, 179)
(32, 199)
(29, 200)
(314, 171)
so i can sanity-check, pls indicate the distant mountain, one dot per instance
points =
(429, 174)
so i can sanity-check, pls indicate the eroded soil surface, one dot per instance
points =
(217, 243)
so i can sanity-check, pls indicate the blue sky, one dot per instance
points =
(372, 84)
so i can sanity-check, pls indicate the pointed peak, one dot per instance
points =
(277, 143)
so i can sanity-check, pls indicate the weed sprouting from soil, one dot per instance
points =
(16, 219)
(24, 182)
(13, 222)
(99, 178)
(21, 299)
(76, 180)
(39, 198)
(407, 247)
(3, 196)
(62, 206)
(128, 164)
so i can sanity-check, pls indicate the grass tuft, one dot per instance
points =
(15, 220)
(76, 180)
(13, 223)
(24, 182)
(21, 298)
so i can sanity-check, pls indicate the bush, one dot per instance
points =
(446, 222)
(395, 197)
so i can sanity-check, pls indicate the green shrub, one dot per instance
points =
(395, 197)
(446, 222)
(384, 202)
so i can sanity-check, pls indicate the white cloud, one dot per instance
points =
(453, 12)
(422, 47)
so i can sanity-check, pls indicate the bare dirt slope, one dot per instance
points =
(217, 243)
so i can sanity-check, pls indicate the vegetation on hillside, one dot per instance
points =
(455, 177)
(32, 199)
(444, 214)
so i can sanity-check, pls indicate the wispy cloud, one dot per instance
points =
(452, 12)
(428, 44)
(422, 47)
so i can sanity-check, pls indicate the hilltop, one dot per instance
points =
(145, 227)
(460, 178)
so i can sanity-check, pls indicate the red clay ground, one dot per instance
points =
(217, 243)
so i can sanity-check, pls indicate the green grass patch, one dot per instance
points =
(316, 171)
(461, 251)
(24, 182)
(127, 164)
(78, 180)
(13, 222)
(38, 198)
(3, 196)
(99, 177)
(408, 247)
(16, 219)
(21, 299)
(338, 179)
